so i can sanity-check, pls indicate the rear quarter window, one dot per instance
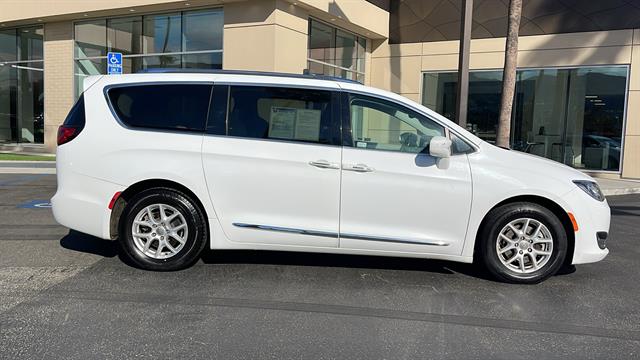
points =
(181, 107)
(76, 116)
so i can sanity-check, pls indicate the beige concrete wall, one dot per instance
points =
(354, 15)
(399, 68)
(631, 151)
(58, 78)
(264, 35)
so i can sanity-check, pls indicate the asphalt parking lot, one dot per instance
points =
(67, 295)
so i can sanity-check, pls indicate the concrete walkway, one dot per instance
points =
(609, 187)
(612, 187)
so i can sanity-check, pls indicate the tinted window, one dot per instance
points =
(278, 113)
(169, 106)
(459, 146)
(382, 125)
(76, 117)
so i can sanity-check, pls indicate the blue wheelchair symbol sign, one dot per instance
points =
(114, 63)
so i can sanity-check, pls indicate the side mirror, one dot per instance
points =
(440, 147)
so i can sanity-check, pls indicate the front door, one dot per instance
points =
(274, 178)
(394, 195)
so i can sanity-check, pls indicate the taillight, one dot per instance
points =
(67, 133)
(73, 124)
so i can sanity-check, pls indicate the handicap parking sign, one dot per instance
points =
(114, 63)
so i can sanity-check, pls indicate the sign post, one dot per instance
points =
(114, 63)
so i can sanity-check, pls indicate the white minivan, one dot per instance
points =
(171, 162)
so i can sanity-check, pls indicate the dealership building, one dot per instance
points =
(577, 97)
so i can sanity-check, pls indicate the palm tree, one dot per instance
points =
(509, 74)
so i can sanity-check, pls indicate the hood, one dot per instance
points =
(535, 165)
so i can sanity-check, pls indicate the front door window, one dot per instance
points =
(381, 125)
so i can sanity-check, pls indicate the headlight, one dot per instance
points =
(591, 188)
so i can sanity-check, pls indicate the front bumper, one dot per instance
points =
(593, 218)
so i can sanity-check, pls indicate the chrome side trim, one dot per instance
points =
(336, 235)
(394, 240)
(287, 230)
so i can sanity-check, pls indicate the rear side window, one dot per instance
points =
(76, 117)
(162, 106)
(300, 115)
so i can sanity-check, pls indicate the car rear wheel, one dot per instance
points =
(522, 243)
(162, 229)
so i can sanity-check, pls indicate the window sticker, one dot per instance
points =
(308, 125)
(282, 122)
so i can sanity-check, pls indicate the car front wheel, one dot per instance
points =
(523, 243)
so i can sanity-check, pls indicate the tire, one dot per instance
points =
(175, 243)
(502, 230)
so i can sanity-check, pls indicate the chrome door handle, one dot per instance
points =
(324, 164)
(358, 168)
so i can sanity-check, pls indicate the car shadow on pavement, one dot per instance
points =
(343, 261)
(625, 210)
(78, 241)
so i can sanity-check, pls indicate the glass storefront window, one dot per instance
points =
(124, 35)
(21, 85)
(574, 116)
(189, 39)
(335, 52)
(162, 34)
(90, 38)
(202, 30)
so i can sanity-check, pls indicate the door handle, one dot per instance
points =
(324, 164)
(358, 168)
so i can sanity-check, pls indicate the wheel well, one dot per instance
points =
(542, 201)
(127, 194)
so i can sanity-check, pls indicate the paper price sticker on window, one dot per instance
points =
(294, 124)
(307, 125)
(282, 122)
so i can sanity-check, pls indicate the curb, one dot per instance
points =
(625, 191)
(4, 165)
(27, 170)
(27, 161)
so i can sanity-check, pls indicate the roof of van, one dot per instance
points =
(246, 72)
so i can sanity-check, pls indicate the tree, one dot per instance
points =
(509, 74)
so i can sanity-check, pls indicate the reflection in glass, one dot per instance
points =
(124, 35)
(540, 107)
(161, 61)
(574, 116)
(485, 89)
(87, 67)
(8, 48)
(8, 104)
(21, 86)
(321, 42)
(91, 38)
(346, 55)
(203, 30)
(30, 43)
(162, 33)
(202, 61)
(142, 38)
(335, 52)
